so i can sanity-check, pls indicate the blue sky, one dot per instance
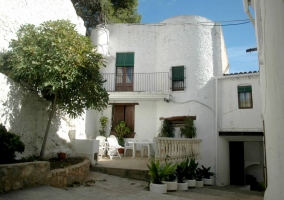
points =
(237, 38)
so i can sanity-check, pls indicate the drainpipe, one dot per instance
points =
(246, 4)
(216, 128)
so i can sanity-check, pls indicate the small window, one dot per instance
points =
(178, 82)
(245, 97)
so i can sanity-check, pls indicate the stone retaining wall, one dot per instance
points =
(23, 175)
(63, 177)
(30, 174)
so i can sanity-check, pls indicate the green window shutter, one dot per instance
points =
(244, 89)
(124, 59)
(178, 73)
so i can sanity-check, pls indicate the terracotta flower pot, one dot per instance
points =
(61, 156)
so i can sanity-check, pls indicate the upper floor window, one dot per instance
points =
(178, 79)
(124, 71)
(245, 97)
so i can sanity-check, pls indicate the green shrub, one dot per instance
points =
(10, 143)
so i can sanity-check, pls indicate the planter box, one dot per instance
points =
(199, 183)
(182, 186)
(191, 183)
(171, 185)
(158, 188)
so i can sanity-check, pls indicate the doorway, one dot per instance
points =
(237, 167)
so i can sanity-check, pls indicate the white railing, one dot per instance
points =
(176, 149)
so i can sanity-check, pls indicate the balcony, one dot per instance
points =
(137, 82)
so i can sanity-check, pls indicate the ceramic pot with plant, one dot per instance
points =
(171, 179)
(121, 130)
(207, 180)
(180, 173)
(198, 177)
(158, 172)
(191, 173)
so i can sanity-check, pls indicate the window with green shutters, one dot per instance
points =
(178, 78)
(245, 97)
(124, 71)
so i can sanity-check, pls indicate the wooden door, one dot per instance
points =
(124, 79)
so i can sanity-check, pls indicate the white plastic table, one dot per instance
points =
(137, 142)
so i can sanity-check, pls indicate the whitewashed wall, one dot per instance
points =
(270, 41)
(231, 117)
(22, 111)
(173, 42)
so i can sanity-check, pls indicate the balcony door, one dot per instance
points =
(124, 79)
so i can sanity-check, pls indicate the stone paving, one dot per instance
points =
(113, 187)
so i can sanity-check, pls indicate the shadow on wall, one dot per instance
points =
(26, 114)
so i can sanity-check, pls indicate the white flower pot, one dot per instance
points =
(158, 188)
(182, 186)
(199, 183)
(171, 185)
(207, 181)
(191, 183)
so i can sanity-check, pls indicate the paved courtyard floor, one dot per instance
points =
(112, 187)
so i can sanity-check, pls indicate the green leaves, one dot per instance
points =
(54, 58)
(159, 172)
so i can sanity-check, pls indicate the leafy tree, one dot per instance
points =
(58, 63)
(96, 12)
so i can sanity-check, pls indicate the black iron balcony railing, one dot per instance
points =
(137, 82)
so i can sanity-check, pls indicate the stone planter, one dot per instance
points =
(191, 183)
(207, 181)
(199, 183)
(171, 185)
(182, 186)
(158, 188)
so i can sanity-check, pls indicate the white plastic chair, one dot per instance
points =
(144, 147)
(102, 147)
(128, 146)
(113, 146)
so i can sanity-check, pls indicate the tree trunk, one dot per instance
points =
(48, 126)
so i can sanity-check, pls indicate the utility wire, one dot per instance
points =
(227, 24)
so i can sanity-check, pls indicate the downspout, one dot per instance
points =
(246, 4)
(216, 128)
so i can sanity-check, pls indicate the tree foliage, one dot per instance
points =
(53, 58)
(60, 64)
(96, 12)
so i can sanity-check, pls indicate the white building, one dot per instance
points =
(269, 28)
(175, 68)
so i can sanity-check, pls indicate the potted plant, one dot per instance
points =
(188, 130)
(166, 129)
(121, 130)
(206, 175)
(180, 173)
(158, 173)
(103, 122)
(191, 173)
(198, 177)
(170, 179)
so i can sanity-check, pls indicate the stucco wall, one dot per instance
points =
(174, 42)
(269, 32)
(22, 111)
(231, 117)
